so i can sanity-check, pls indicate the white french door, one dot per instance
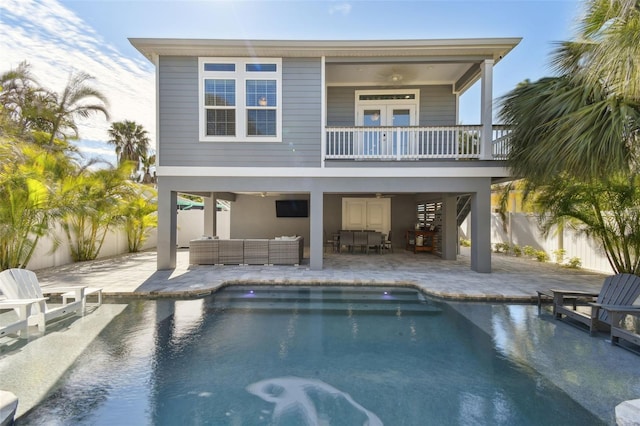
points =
(393, 138)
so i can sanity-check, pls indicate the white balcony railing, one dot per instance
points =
(411, 143)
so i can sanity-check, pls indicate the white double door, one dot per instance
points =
(372, 214)
(386, 141)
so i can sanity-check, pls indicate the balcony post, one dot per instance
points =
(486, 111)
(323, 111)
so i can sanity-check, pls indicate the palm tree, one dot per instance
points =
(131, 141)
(607, 47)
(95, 200)
(140, 215)
(586, 120)
(29, 200)
(576, 136)
(147, 162)
(569, 125)
(23, 103)
(606, 210)
(75, 102)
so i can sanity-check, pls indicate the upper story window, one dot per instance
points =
(240, 99)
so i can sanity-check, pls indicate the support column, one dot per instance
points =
(449, 227)
(210, 215)
(316, 234)
(486, 109)
(167, 228)
(481, 229)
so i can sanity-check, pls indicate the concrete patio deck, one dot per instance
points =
(513, 279)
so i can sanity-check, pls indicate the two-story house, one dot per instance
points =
(365, 132)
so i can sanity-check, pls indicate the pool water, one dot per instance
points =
(301, 356)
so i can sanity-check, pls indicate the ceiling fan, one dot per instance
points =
(396, 76)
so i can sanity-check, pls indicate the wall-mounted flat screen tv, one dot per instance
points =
(292, 208)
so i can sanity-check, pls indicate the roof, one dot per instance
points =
(459, 58)
(485, 48)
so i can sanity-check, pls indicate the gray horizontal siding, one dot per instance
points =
(178, 119)
(437, 105)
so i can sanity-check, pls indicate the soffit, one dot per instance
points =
(443, 49)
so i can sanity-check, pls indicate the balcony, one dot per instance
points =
(412, 143)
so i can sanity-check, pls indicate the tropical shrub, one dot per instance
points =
(559, 255)
(541, 256)
(28, 199)
(140, 216)
(529, 251)
(96, 200)
(574, 263)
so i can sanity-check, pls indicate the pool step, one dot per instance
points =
(379, 295)
(324, 306)
(325, 299)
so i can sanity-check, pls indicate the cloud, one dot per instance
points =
(343, 8)
(56, 42)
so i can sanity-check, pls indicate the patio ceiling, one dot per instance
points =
(396, 74)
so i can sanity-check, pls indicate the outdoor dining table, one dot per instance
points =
(359, 239)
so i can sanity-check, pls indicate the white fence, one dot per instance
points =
(524, 231)
(190, 226)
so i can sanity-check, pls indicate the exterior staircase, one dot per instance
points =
(464, 207)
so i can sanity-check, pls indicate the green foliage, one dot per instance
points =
(41, 183)
(140, 216)
(559, 255)
(574, 263)
(97, 199)
(584, 121)
(507, 248)
(131, 142)
(77, 100)
(529, 251)
(541, 256)
(606, 209)
(28, 200)
(575, 136)
(517, 251)
(465, 242)
(501, 247)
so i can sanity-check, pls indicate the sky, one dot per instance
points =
(58, 37)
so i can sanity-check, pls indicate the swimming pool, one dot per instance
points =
(302, 355)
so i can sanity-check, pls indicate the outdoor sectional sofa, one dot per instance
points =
(253, 251)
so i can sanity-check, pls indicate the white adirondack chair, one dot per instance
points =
(23, 309)
(22, 285)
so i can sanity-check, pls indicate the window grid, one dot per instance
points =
(219, 92)
(261, 93)
(221, 122)
(261, 122)
(227, 100)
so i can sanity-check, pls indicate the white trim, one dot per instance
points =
(337, 172)
(156, 62)
(486, 108)
(457, 95)
(240, 75)
(415, 102)
(323, 110)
